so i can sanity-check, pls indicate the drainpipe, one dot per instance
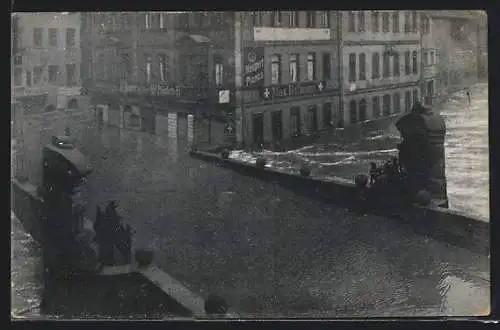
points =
(340, 48)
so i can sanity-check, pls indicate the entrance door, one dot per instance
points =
(277, 125)
(362, 110)
(258, 129)
(353, 112)
(327, 115)
(313, 119)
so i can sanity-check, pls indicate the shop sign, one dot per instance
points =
(292, 90)
(253, 66)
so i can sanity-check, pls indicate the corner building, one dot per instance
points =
(287, 75)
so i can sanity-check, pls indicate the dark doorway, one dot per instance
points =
(50, 108)
(362, 110)
(295, 121)
(386, 100)
(258, 129)
(313, 119)
(327, 115)
(340, 117)
(353, 112)
(277, 125)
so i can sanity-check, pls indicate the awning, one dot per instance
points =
(74, 157)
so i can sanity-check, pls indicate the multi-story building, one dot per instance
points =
(278, 76)
(381, 62)
(46, 61)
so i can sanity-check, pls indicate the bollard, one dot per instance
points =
(143, 257)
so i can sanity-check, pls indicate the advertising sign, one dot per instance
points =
(253, 66)
(292, 90)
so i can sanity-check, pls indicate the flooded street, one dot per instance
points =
(346, 154)
(271, 253)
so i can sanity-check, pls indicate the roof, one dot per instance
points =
(75, 157)
(460, 14)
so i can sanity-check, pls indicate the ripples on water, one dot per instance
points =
(466, 145)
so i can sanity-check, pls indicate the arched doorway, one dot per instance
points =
(50, 108)
(73, 104)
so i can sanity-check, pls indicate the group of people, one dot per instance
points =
(389, 172)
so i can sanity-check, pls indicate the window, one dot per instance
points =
(52, 37)
(395, 22)
(276, 123)
(219, 74)
(148, 69)
(313, 119)
(257, 18)
(387, 104)
(311, 19)
(37, 37)
(327, 114)
(375, 23)
(325, 19)
(426, 25)
(70, 37)
(18, 60)
(353, 112)
(162, 20)
(126, 65)
(425, 58)
(396, 100)
(276, 18)
(351, 22)
(362, 66)
(395, 71)
(414, 18)
(294, 71)
(407, 100)
(432, 59)
(70, 74)
(295, 121)
(147, 20)
(352, 67)
(53, 73)
(162, 59)
(28, 78)
(376, 106)
(362, 110)
(275, 69)
(386, 64)
(385, 22)
(294, 19)
(311, 67)
(361, 21)
(415, 96)
(37, 75)
(407, 63)
(407, 22)
(415, 62)
(430, 88)
(18, 76)
(327, 69)
(375, 65)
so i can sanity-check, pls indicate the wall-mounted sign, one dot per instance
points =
(149, 90)
(253, 66)
(224, 96)
(291, 90)
(289, 34)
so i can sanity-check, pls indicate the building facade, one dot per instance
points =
(381, 63)
(276, 77)
(46, 61)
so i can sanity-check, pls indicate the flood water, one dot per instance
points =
(345, 154)
(268, 252)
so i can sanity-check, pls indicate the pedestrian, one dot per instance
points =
(468, 95)
(373, 173)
